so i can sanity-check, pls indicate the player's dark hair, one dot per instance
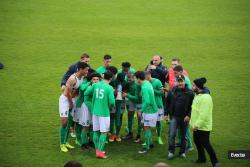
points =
(126, 64)
(82, 65)
(178, 68)
(108, 75)
(112, 69)
(140, 75)
(91, 70)
(85, 55)
(92, 75)
(106, 57)
(73, 164)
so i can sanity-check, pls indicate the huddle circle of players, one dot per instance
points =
(93, 103)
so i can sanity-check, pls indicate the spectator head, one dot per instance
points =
(83, 68)
(85, 58)
(178, 70)
(181, 81)
(73, 164)
(148, 75)
(126, 66)
(130, 77)
(161, 164)
(140, 77)
(199, 84)
(175, 62)
(107, 59)
(108, 75)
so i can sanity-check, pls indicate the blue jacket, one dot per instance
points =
(160, 73)
(72, 69)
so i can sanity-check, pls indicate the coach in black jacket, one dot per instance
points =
(158, 70)
(178, 104)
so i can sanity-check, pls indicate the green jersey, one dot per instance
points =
(133, 92)
(148, 100)
(157, 85)
(103, 98)
(101, 70)
(132, 70)
(80, 97)
(88, 100)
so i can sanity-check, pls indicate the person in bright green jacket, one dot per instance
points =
(102, 99)
(149, 109)
(158, 92)
(201, 122)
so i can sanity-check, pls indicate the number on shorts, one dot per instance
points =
(99, 93)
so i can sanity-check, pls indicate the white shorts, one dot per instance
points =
(101, 124)
(83, 116)
(160, 114)
(63, 106)
(149, 119)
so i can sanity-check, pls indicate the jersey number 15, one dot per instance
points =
(99, 93)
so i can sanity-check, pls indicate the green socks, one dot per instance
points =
(78, 129)
(91, 133)
(69, 125)
(96, 139)
(158, 128)
(62, 135)
(148, 138)
(83, 137)
(102, 141)
(130, 124)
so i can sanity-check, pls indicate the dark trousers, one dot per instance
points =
(173, 125)
(201, 140)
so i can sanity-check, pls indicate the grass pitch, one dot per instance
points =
(40, 39)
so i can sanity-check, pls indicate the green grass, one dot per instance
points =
(40, 39)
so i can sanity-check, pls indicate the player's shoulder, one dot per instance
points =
(133, 70)
(119, 71)
(72, 78)
(99, 68)
(155, 80)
